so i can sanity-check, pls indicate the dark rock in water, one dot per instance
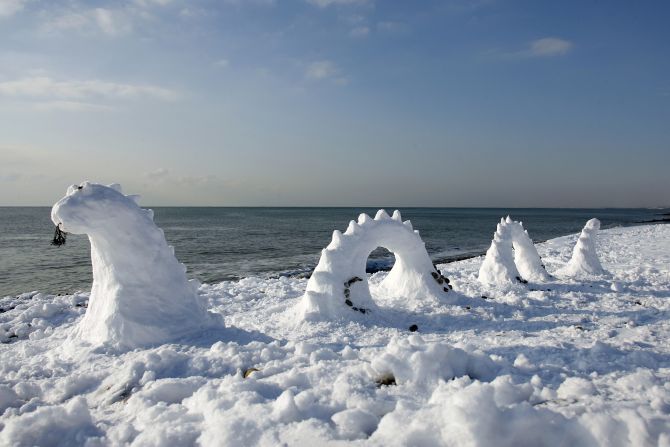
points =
(435, 275)
(450, 286)
(446, 289)
(485, 297)
(467, 307)
(638, 302)
(440, 281)
(446, 279)
(348, 303)
(355, 308)
(361, 310)
(413, 328)
(521, 280)
(385, 380)
(346, 293)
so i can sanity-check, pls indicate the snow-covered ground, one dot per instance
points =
(566, 362)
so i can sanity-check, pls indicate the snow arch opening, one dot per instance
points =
(512, 256)
(140, 294)
(584, 260)
(339, 288)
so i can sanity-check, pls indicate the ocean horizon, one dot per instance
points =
(218, 243)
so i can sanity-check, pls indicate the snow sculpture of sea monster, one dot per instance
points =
(140, 294)
(512, 257)
(584, 260)
(338, 287)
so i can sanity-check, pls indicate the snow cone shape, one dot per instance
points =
(140, 294)
(512, 256)
(339, 288)
(584, 261)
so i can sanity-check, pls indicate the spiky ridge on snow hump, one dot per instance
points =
(140, 294)
(511, 256)
(584, 261)
(339, 288)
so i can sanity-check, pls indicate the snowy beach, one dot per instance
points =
(560, 362)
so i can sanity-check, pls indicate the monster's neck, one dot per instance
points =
(132, 258)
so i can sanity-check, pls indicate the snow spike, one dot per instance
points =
(396, 216)
(116, 187)
(363, 219)
(508, 219)
(337, 237)
(382, 215)
(135, 198)
(150, 213)
(353, 228)
(408, 224)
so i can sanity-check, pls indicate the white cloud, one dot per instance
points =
(360, 31)
(321, 70)
(325, 70)
(10, 7)
(149, 3)
(108, 21)
(549, 46)
(326, 3)
(164, 176)
(69, 106)
(46, 87)
(392, 27)
(222, 63)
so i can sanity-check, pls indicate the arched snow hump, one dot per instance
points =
(140, 294)
(339, 288)
(512, 256)
(584, 261)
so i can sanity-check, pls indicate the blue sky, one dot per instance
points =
(337, 102)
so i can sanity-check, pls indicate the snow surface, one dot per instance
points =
(140, 294)
(512, 256)
(339, 289)
(565, 362)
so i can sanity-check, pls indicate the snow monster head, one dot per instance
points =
(91, 207)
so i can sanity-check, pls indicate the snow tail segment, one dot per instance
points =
(339, 289)
(512, 256)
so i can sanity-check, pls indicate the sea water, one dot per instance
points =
(219, 244)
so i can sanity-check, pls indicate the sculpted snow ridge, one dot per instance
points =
(512, 256)
(339, 287)
(140, 294)
(584, 260)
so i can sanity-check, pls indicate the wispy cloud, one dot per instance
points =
(325, 70)
(107, 21)
(47, 87)
(391, 27)
(222, 63)
(360, 31)
(549, 46)
(10, 7)
(162, 176)
(69, 106)
(326, 3)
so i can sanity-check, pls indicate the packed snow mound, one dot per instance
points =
(412, 360)
(140, 294)
(512, 256)
(584, 261)
(338, 287)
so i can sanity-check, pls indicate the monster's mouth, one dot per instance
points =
(59, 236)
